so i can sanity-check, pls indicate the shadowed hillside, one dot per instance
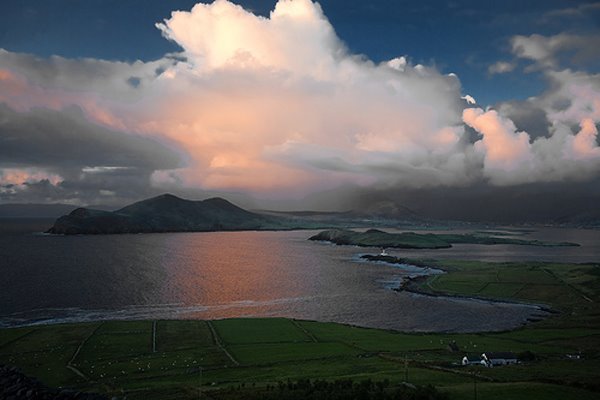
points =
(164, 213)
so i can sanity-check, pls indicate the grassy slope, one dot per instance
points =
(162, 359)
(571, 289)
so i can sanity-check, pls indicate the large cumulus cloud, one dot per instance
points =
(265, 104)
(281, 104)
(277, 105)
(551, 137)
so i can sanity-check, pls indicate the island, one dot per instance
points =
(165, 213)
(411, 240)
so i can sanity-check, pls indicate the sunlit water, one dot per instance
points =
(48, 278)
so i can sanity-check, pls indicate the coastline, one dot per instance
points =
(414, 284)
(416, 273)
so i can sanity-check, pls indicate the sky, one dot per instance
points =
(293, 103)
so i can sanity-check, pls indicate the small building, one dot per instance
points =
(492, 359)
(471, 360)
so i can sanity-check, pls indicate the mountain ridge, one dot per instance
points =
(164, 213)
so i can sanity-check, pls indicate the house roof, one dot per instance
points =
(499, 354)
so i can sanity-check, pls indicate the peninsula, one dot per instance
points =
(411, 240)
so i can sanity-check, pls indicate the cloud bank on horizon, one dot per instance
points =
(279, 107)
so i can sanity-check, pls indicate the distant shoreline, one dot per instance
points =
(422, 241)
(412, 284)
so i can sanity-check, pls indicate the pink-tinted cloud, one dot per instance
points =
(585, 145)
(278, 105)
(505, 150)
(18, 177)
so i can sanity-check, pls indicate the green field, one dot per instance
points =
(175, 359)
(571, 289)
(119, 358)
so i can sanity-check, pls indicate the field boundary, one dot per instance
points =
(154, 336)
(72, 360)
(310, 335)
(219, 344)
(567, 284)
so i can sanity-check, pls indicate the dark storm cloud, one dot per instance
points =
(66, 139)
(101, 76)
(527, 117)
(41, 191)
(89, 161)
(532, 203)
(112, 189)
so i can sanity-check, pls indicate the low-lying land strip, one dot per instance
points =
(411, 240)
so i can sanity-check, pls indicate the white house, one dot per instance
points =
(499, 358)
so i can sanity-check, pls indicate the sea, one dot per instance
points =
(48, 279)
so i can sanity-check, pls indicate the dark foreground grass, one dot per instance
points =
(180, 359)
